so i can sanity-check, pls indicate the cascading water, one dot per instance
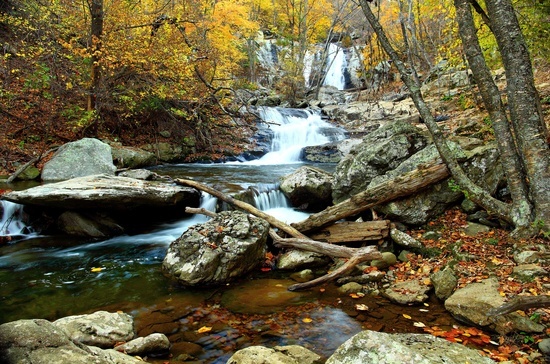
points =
(271, 200)
(11, 223)
(336, 66)
(294, 129)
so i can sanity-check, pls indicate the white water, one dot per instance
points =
(11, 223)
(271, 200)
(336, 63)
(293, 129)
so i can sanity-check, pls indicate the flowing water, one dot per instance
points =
(50, 277)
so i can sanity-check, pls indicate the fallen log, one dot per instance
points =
(355, 255)
(520, 303)
(242, 205)
(392, 189)
(349, 232)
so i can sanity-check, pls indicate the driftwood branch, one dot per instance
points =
(242, 205)
(520, 303)
(201, 211)
(355, 255)
(31, 162)
(392, 189)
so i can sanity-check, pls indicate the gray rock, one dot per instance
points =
(370, 347)
(380, 152)
(302, 276)
(170, 153)
(407, 293)
(295, 259)
(142, 174)
(471, 303)
(151, 344)
(351, 287)
(292, 354)
(527, 257)
(84, 157)
(226, 247)
(309, 187)
(388, 259)
(128, 157)
(444, 282)
(527, 272)
(102, 329)
(326, 153)
(105, 192)
(405, 240)
(90, 224)
(472, 229)
(41, 342)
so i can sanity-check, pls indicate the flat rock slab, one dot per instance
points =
(105, 192)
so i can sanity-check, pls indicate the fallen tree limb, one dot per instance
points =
(24, 166)
(201, 211)
(242, 205)
(349, 232)
(520, 303)
(392, 189)
(356, 256)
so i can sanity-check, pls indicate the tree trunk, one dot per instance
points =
(521, 207)
(401, 186)
(524, 103)
(475, 193)
(96, 12)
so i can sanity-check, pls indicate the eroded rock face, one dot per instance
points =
(381, 151)
(84, 157)
(226, 247)
(308, 187)
(370, 347)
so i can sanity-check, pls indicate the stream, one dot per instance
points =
(51, 277)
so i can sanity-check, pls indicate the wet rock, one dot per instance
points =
(154, 344)
(380, 152)
(102, 329)
(351, 287)
(30, 173)
(106, 192)
(142, 174)
(41, 342)
(471, 303)
(375, 276)
(292, 354)
(128, 157)
(407, 293)
(444, 283)
(302, 276)
(295, 259)
(92, 225)
(84, 157)
(224, 248)
(370, 347)
(472, 229)
(308, 186)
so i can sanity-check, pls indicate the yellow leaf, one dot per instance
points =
(361, 307)
(96, 269)
(204, 329)
(307, 320)
(407, 316)
(502, 294)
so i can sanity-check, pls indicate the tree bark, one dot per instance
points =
(475, 193)
(349, 232)
(242, 205)
(387, 191)
(524, 104)
(96, 12)
(521, 207)
(520, 303)
(355, 256)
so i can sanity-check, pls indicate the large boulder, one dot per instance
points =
(228, 246)
(471, 303)
(89, 224)
(481, 164)
(308, 187)
(381, 151)
(41, 342)
(102, 329)
(291, 354)
(77, 159)
(370, 347)
(105, 192)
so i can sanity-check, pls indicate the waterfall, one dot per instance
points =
(271, 200)
(294, 129)
(11, 223)
(336, 67)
